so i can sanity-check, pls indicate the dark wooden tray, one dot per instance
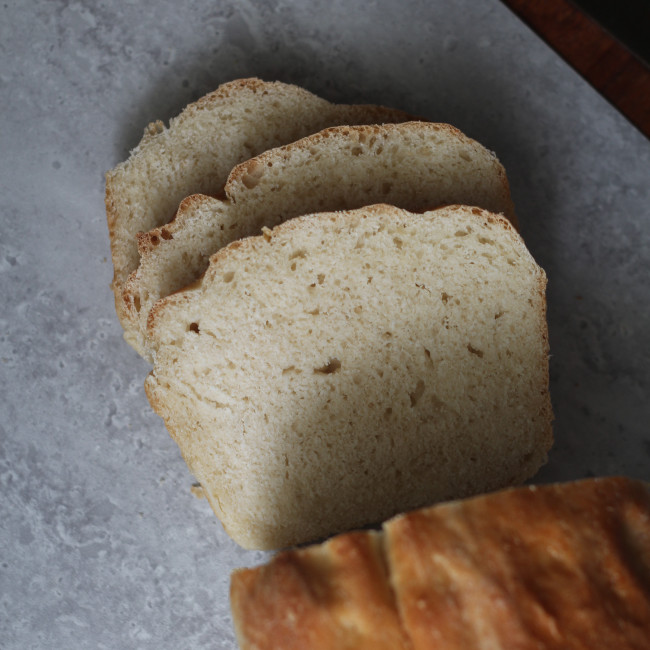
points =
(607, 46)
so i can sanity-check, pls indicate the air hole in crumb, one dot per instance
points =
(253, 175)
(388, 412)
(445, 297)
(398, 242)
(417, 393)
(461, 233)
(193, 327)
(464, 155)
(228, 277)
(476, 351)
(356, 151)
(358, 309)
(485, 240)
(290, 369)
(298, 253)
(154, 240)
(136, 303)
(321, 278)
(498, 315)
(333, 365)
(165, 234)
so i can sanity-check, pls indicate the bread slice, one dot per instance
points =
(348, 366)
(195, 154)
(562, 567)
(413, 165)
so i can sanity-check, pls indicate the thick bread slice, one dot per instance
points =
(562, 567)
(195, 154)
(347, 366)
(413, 165)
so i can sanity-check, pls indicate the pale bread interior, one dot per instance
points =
(196, 153)
(349, 366)
(413, 165)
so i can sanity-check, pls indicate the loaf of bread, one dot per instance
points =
(348, 366)
(195, 154)
(560, 567)
(413, 165)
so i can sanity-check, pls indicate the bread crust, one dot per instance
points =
(560, 567)
(336, 597)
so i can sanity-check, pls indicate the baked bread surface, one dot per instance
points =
(414, 165)
(348, 366)
(195, 154)
(336, 595)
(560, 567)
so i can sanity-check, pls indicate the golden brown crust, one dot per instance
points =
(337, 596)
(561, 567)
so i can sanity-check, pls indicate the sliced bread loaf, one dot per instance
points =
(561, 567)
(195, 154)
(348, 366)
(414, 165)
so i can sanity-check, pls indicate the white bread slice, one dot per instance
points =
(560, 567)
(195, 154)
(413, 165)
(348, 366)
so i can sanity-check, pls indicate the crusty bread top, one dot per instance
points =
(346, 366)
(195, 154)
(335, 596)
(414, 165)
(561, 567)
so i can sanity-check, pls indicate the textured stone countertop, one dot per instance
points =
(102, 544)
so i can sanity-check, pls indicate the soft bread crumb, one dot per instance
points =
(308, 399)
(196, 153)
(413, 165)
